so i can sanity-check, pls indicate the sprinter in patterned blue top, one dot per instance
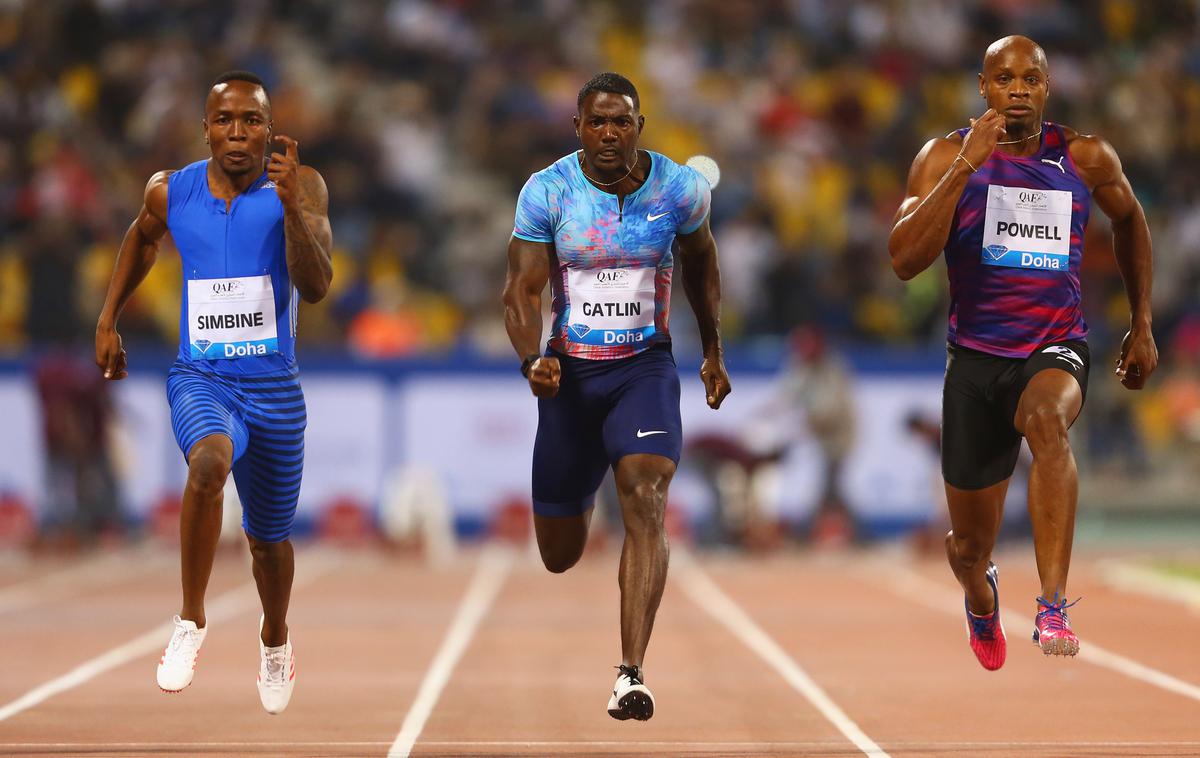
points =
(605, 226)
(254, 238)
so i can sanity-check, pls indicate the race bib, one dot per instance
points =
(1027, 228)
(610, 306)
(231, 318)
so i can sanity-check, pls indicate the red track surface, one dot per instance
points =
(881, 635)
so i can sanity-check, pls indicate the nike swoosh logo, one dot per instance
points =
(655, 218)
(641, 434)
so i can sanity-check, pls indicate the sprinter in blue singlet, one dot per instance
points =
(253, 236)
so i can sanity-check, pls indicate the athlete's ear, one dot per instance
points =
(204, 126)
(575, 123)
(982, 93)
(641, 124)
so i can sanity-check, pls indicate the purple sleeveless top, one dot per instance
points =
(1014, 251)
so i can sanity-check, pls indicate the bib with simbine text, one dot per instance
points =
(231, 318)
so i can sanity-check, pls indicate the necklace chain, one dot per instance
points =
(1023, 139)
(607, 184)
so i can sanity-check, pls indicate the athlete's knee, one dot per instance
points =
(967, 551)
(1046, 430)
(559, 558)
(208, 468)
(644, 503)
(267, 552)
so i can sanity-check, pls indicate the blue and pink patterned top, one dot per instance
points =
(611, 268)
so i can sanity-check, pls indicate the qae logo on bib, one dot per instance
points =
(1027, 228)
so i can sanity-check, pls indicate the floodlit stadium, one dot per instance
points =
(409, 326)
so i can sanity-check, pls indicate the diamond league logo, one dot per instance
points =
(580, 330)
(204, 345)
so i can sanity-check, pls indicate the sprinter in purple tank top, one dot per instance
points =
(1007, 201)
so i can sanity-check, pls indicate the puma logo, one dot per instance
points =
(1057, 164)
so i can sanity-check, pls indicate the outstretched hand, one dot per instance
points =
(1139, 358)
(284, 170)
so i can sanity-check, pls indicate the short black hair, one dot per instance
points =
(238, 75)
(609, 82)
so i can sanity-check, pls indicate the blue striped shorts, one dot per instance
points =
(265, 417)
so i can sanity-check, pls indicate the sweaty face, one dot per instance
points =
(237, 123)
(609, 128)
(1015, 82)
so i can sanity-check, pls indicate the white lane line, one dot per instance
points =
(82, 575)
(623, 745)
(710, 598)
(919, 589)
(224, 607)
(493, 568)
(1142, 580)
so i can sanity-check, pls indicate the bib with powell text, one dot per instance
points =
(1027, 228)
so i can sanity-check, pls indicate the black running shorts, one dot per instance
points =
(979, 401)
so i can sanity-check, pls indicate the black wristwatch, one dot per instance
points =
(528, 363)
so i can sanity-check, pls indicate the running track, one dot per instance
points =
(800, 654)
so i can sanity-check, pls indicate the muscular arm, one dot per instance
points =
(1100, 168)
(309, 238)
(136, 256)
(307, 235)
(935, 183)
(528, 272)
(702, 285)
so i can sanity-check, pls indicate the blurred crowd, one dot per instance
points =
(426, 117)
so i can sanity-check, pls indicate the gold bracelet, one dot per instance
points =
(964, 160)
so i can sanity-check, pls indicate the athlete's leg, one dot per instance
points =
(212, 437)
(979, 453)
(568, 465)
(975, 521)
(561, 539)
(1049, 404)
(268, 477)
(274, 569)
(209, 463)
(642, 482)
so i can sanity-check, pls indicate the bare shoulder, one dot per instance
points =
(940, 146)
(936, 156)
(155, 196)
(1093, 155)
